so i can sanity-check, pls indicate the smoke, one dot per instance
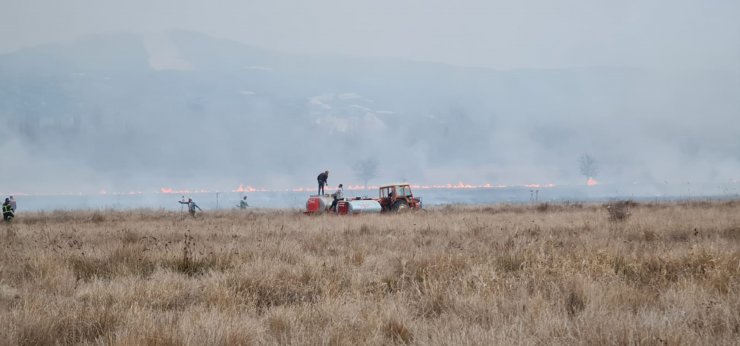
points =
(588, 166)
(113, 113)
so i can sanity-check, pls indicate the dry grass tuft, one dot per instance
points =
(97, 217)
(80, 325)
(619, 211)
(575, 300)
(397, 332)
(510, 261)
(543, 207)
(124, 260)
(279, 328)
(267, 293)
(192, 264)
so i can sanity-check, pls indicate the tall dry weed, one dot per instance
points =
(619, 211)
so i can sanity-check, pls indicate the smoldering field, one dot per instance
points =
(663, 273)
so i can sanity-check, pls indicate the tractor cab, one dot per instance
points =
(398, 197)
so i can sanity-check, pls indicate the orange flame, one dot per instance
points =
(592, 182)
(539, 185)
(457, 186)
(169, 190)
(449, 186)
(248, 188)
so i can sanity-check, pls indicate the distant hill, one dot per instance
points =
(182, 108)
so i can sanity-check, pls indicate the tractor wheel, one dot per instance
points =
(400, 206)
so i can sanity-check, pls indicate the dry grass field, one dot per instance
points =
(653, 274)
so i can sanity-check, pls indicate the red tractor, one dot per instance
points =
(392, 198)
(398, 197)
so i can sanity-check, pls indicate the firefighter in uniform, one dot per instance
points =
(8, 213)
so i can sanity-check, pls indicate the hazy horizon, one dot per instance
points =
(178, 94)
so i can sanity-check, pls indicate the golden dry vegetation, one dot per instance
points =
(654, 274)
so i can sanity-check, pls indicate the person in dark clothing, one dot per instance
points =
(338, 196)
(191, 206)
(7, 210)
(322, 178)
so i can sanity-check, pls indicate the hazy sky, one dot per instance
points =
(499, 34)
(678, 110)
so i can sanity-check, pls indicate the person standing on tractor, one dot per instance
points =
(191, 206)
(338, 196)
(7, 211)
(322, 178)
